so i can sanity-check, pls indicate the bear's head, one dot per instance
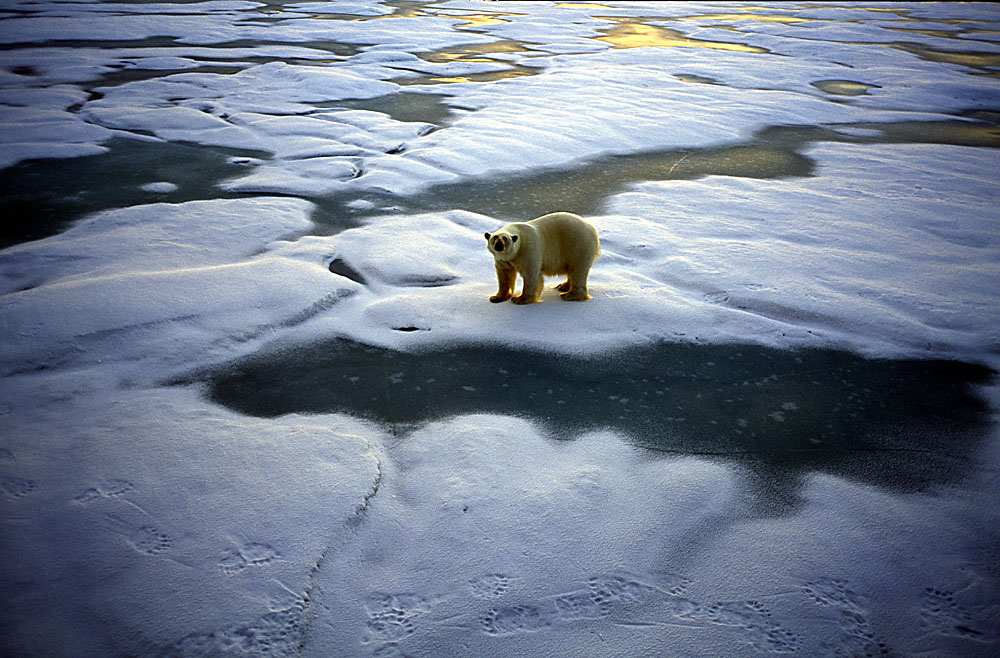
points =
(502, 244)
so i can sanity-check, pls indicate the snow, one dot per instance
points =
(161, 187)
(223, 430)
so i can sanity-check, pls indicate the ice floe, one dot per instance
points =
(839, 511)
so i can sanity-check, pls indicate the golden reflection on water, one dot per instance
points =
(843, 87)
(972, 59)
(631, 33)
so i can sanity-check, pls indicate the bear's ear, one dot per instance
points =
(487, 235)
(513, 238)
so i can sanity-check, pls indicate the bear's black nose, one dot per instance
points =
(498, 246)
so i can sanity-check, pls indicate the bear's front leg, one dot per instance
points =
(531, 290)
(506, 277)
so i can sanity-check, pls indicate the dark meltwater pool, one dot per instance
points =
(902, 424)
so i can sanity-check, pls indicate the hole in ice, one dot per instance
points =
(338, 266)
(900, 424)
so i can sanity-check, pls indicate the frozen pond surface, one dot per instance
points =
(254, 399)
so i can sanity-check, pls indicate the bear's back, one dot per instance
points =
(567, 239)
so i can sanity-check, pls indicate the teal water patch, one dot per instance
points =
(39, 198)
(402, 106)
(902, 424)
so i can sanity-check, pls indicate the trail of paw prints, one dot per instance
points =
(16, 487)
(857, 638)
(755, 622)
(144, 538)
(11, 486)
(392, 618)
(623, 599)
(835, 593)
(489, 586)
(113, 488)
(580, 605)
(507, 620)
(939, 613)
(250, 554)
(603, 596)
(278, 632)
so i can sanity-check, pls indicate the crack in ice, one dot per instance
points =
(308, 595)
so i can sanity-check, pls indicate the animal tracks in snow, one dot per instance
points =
(277, 632)
(392, 617)
(144, 538)
(16, 487)
(13, 486)
(137, 528)
(111, 489)
(496, 609)
(489, 586)
(495, 606)
(249, 554)
(514, 619)
(941, 614)
(856, 636)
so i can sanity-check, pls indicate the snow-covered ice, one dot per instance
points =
(254, 399)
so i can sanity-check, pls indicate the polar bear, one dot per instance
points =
(557, 243)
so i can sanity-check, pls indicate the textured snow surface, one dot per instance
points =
(202, 196)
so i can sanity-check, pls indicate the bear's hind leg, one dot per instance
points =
(576, 290)
(564, 286)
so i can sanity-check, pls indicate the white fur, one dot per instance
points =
(553, 244)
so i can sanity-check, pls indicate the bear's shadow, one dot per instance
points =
(899, 424)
